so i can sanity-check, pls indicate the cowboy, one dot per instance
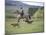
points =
(22, 13)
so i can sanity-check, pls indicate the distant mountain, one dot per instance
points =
(19, 4)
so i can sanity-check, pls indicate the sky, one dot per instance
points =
(34, 3)
(31, 2)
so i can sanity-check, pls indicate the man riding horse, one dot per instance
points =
(21, 15)
(27, 17)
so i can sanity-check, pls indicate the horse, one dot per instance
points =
(22, 16)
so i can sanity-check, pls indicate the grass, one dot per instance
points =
(36, 26)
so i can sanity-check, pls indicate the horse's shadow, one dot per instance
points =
(29, 22)
(16, 25)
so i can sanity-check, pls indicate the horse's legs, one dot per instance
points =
(19, 19)
(27, 19)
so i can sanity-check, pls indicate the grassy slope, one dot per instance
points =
(36, 26)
